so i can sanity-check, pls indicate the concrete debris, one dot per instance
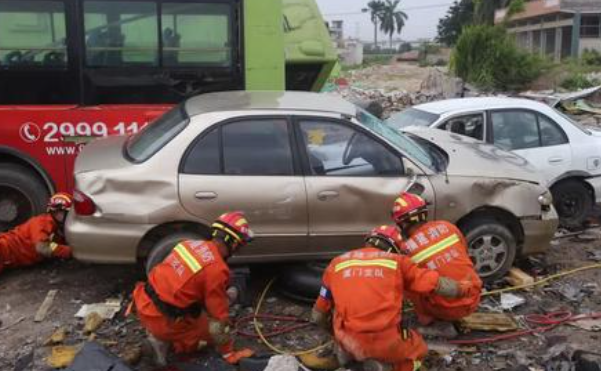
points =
(572, 293)
(132, 354)
(588, 324)
(59, 335)
(62, 356)
(500, 322)
(510, 301)
(439, 329)
(517, 277)
(45, 307)
(282, 363)
(106, 310)
(92, 322)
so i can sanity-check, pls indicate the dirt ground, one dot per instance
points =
(23, 291)
(393, 77)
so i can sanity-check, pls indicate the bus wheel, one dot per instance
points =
(22, 195)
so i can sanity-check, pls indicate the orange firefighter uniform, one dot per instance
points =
(440, 246)
(31, 242)
(185, 296)
(365, 287)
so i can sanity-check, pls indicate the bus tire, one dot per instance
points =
(22, 195)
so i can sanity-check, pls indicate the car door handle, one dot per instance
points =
(326, 195)
(555, 160)
(205, 195)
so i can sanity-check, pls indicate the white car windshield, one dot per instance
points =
(412, 117)
(401, 141)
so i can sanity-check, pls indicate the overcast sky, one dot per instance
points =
(423, 17)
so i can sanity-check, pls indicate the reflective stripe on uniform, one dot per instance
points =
(416, 365)
(386, 263)
(435, 249)
(53, 246)
(188, 258)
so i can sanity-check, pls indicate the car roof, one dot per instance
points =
(466, 104)
(268, 100)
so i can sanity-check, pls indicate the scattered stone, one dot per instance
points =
(57, 337)
(510, 301)
(92, 323)
(282, 363)
(293, 311)
(517, 277)
(132, 354)
(62, 356)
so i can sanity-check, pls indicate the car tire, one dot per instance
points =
(491, 246)
(163, 247)
(22, 195)
(573, 202)
(301, 282)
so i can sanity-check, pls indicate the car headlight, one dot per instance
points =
(546, 199)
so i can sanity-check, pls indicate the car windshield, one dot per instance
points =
(412, 117)
(398, 139)
(143, 145)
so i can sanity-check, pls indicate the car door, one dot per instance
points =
(471, 125)
(352, 179)
(248, 165)
(533, 136)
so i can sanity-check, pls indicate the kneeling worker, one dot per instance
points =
(184, 304)
(441, 247)
(39, 238)
(364, 290)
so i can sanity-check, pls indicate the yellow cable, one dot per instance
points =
(542, 281)
(266, 342)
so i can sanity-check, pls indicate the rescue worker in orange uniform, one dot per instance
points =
(439, 246)
(185, 305)
(39, 238)
(364, 289)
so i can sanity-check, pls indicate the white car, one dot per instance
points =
(567, 154)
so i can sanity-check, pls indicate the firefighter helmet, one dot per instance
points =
(409, 208)
(234, 228)
(385, 237)
(60, 202)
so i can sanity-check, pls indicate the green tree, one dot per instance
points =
(375, 8)
(391, 19)
(460, 14)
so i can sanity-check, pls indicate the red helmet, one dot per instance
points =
(385, 237)
(409, 207)
(236, 228)
(60, 201)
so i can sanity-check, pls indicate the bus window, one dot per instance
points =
(32, 33)
(121, 33)
(196, 34)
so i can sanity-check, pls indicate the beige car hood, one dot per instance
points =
(469, 157)
(102, 154)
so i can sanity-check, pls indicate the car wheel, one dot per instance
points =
(302, 281)
(22, 195)
(492, 247)
(573, 202)
(163, 247)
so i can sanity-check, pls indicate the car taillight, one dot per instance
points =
(83, 204)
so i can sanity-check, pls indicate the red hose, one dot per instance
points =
(278, 330)
(545, 322)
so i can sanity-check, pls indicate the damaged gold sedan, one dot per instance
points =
(312, 172)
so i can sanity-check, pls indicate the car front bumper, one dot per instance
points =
(104, 242)
(538, 232)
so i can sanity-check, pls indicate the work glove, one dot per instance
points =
(453, 289)
(234, 357)
(233, 293)
(321, 319)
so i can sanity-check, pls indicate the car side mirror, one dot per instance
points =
(417, 188)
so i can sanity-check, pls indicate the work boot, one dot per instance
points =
(160, 349)
(373, 365)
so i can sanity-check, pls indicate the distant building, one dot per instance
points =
(349, 50)
(557, 28)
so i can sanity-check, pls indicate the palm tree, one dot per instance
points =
(375, 7)
(391, 19)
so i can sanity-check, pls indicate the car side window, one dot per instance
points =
(257, 147)
(335, 149)
(203, 157)
(513, 130)
(468, 125)
(550, 133)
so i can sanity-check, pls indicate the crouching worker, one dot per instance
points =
(184, 304)
(364, 290)
(439, 246)
(38, 238)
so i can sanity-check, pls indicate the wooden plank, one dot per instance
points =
(489, 322)
(45, 307)
(517, 277)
